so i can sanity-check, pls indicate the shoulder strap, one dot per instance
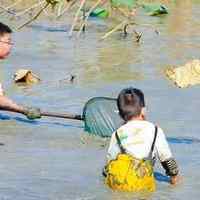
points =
(122, 149)
(154, 140)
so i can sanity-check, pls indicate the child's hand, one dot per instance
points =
(174, 180)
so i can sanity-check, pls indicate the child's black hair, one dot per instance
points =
(4, 29)
(130, 103)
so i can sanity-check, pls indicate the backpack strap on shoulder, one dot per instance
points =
(122, 149)
(153, 144)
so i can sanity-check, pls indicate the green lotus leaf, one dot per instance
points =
(155, 8)
(99, 12)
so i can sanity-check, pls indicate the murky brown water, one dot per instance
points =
(54, 158)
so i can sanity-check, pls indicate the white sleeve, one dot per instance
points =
(113, 148)
(1, 89)
(162, 146)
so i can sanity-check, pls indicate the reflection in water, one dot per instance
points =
(182, 140)
(40, 27)
(178, 28)
(161, 177)
(113, 62)
(172, 140)
(179, 19)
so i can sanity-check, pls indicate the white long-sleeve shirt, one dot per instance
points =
(137, 137)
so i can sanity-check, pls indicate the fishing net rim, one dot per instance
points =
(95, 99)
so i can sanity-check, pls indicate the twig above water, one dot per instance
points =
(30, 8)
(87, 16)
(9, 7)
(113, 30)
(7, 10)
(35, 17)
(70, 5)
(76, 17)
(138, 36)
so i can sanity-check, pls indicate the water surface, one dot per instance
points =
(54, 158)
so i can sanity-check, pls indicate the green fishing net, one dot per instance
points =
(101, 116)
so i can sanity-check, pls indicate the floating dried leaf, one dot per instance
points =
(186, 75)
(25, 76)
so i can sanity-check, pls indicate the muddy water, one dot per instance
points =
(53, 159)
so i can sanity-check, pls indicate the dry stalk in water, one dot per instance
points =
(7, 11)
(9, 7)
(35, 17)
(114, 29)
(76, 17)
(69, 5)
(30, 8)
(87, 16)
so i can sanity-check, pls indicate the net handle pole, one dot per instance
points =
(59, 115)
(48, 114)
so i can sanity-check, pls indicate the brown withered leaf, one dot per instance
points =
(186, 75)
(25, 76)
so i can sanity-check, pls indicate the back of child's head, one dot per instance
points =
(4, 29)
(130, 103)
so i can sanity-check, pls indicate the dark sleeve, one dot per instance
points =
(170, 166)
